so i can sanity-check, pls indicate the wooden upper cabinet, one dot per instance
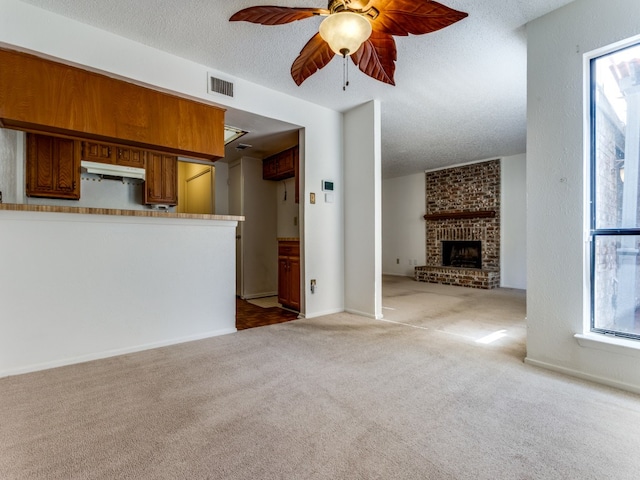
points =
(130, 157)
(161, 183)
(113, 154)
(48, 97)
(280, 166)
(286, 163)
(269, 168)
(53, 167)
(283, 165)
(97, 152)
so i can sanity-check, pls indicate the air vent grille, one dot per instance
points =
(217, 85)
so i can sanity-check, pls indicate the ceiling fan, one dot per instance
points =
(361, 29)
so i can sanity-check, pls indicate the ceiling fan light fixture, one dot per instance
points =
(345, 31)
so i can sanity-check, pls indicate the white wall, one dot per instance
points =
(557, 306)
(259, 245)
(513, 222)
(28, 28)
(79, 287)
(363, 211)
(403, 225)
(288, 209)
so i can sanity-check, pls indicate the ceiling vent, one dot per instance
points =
(243, 146)
(217, 85)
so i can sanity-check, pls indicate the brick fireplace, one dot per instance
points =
(463, 226)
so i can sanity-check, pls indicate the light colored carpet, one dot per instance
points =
(337, 397)
(265, 302)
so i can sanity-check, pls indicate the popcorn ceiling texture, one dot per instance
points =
(470, 188)
(460, 93)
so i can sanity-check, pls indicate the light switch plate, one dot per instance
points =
(312, 198)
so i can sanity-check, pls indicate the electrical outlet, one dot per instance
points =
(397, 261)
(313, 285)
(312, 198)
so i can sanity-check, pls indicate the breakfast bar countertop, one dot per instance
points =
(116, 212)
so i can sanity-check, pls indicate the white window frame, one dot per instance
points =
(587, 338)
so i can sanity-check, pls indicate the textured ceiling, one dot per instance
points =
(460, 93)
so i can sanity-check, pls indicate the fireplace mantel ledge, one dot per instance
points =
(460, 215)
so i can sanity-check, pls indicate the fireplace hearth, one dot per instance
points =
(462, 253)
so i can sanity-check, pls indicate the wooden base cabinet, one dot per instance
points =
(289, 274)
(53, 167)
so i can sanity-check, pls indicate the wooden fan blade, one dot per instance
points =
(268, 15)
(376, 57)
(315, 55)
(402, 17)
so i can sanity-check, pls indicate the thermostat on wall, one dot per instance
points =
(327, 186)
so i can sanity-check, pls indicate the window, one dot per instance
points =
(615, 219)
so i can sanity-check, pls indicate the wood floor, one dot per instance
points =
(250, 316)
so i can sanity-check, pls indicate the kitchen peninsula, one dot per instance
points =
(115, 281)
(80, 281)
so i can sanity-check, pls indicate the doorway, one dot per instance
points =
(196, 188)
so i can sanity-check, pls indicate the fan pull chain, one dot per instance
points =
(345, 73)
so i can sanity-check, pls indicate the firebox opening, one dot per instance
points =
(464, 254)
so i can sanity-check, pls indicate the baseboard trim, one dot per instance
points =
(363, 314)
(322, 314)
(259, 295)
(582, 375)
(112, 353)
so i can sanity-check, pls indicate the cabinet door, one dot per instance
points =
(130, 157)
(269, 168)
(286, 165)
(161, 184)
(294, 283)
(283, 280)
(289, 274)
(53, 167)
(98, 152)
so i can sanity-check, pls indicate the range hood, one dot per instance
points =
(111, 170)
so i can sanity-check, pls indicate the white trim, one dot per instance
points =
(364, 314)
(581, 375)
(113, 353)
(323, 313)
(598, 52)
(609, 343)
(253, 296)
(588, 339)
